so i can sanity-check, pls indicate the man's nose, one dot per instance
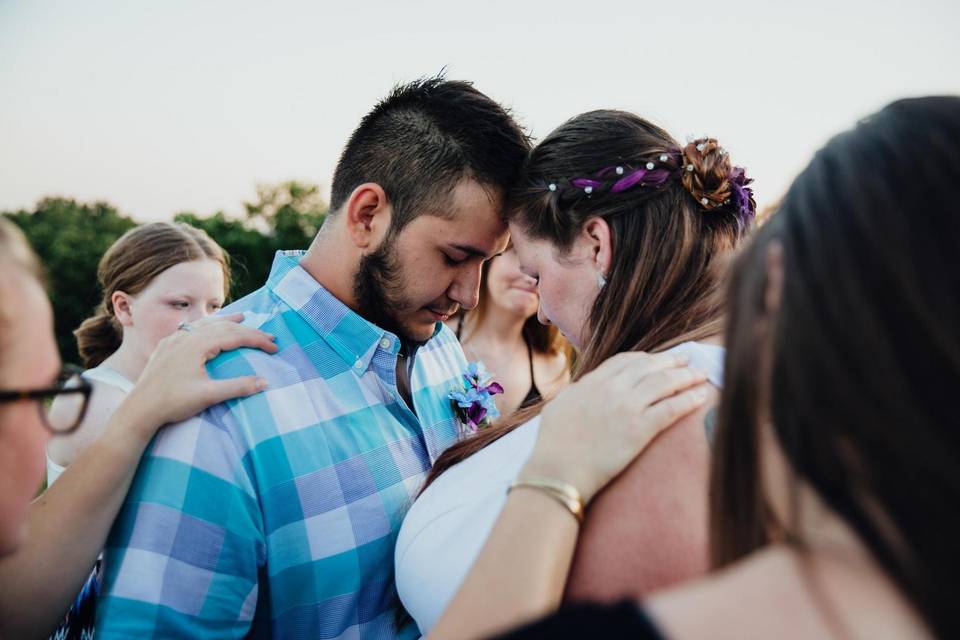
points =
(465, 288)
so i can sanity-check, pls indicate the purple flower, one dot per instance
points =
(742, 195)
(474, 401)
(475, 414)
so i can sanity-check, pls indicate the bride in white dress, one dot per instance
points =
(627, 234)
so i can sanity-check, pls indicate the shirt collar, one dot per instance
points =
(353, 338)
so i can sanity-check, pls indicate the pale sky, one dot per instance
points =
(180, 105)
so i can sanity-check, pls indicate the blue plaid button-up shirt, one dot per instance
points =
(277, 514)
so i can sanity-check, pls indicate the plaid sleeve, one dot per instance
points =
(183, 557)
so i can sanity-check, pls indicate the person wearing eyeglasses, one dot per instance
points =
(48, 545)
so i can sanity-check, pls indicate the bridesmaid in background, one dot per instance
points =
(531, 360)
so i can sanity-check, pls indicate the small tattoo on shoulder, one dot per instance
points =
(710, 424)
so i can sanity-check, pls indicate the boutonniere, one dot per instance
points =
(474, 401)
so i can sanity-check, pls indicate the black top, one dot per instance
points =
(533, 394)
(622, 620)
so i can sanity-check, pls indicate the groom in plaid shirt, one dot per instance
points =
(276, 514)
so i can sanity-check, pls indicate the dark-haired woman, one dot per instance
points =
(48, 547)
(529, 359)
(626, 233)
(837, 461)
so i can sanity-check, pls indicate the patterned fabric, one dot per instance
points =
(79, 621)
(277, 514)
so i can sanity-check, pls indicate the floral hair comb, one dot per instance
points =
(680, 164)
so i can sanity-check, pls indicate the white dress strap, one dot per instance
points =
(103, 374)
(707, 358)
(109, 376)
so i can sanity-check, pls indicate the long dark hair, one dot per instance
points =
(863, 353)
(669, 250)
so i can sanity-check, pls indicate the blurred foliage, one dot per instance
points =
(70, 238)
(284, 216)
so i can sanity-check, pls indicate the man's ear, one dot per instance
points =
(595, 237)
(367, 215)
(121, 308)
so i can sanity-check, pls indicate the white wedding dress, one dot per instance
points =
(446, 527)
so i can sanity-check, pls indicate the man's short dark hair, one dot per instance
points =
(422, 139)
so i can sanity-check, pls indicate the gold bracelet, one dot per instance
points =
(563, 492)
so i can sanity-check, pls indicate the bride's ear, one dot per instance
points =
(597, 244)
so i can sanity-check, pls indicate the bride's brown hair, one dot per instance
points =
(670, 241)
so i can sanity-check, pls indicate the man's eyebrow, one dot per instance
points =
(472, 251)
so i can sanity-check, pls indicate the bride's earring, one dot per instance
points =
(601, 280)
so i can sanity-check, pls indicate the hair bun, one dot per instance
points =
(706, 172)
(98, 337)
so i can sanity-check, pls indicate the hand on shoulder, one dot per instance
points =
(593, 428)
(175, 384)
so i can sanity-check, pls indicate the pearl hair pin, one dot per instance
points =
(674, 164)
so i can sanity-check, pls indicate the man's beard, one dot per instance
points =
(378, 289)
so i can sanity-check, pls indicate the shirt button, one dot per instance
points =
(358, 364)
(385, 343)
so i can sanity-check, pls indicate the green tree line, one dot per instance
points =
(70, 237)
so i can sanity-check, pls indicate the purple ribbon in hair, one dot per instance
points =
(648, 177)
(580, 183)
(741, 193)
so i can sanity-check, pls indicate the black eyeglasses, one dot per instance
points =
(73, 393)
